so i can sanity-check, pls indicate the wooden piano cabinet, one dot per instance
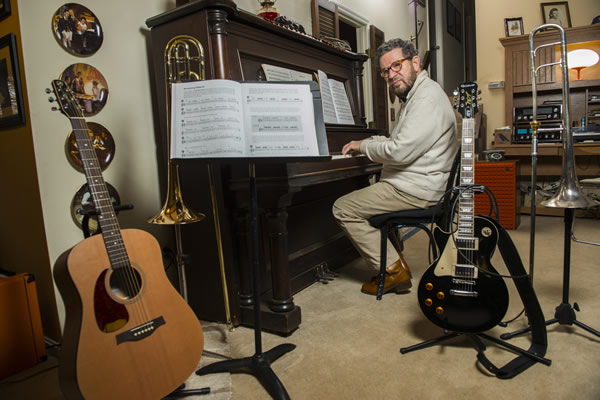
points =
(502, 178)
(296, 226)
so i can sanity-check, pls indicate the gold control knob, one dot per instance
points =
(428, 302)
(429, 286)
(439, 310)
(440, 295)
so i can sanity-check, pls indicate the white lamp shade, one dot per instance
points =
(582, 58)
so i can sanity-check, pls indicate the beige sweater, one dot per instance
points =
(418, 155)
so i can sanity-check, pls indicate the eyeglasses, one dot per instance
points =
(396, 67)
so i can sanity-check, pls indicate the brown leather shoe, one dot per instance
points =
(396, 281)
(399, 265)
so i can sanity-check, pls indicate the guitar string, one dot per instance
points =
(107, 218)
(466, 256)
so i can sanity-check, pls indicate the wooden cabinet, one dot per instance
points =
(517, 64)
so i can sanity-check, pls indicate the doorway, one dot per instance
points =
(452, 42)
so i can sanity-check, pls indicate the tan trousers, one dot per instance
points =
(353, 210)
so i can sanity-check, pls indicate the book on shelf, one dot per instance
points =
(336, 105)
(223, 118)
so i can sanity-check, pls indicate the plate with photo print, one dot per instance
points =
(77, 29)
(104, 145)
(88, 86)
(83, 202)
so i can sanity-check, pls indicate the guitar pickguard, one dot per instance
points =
(110, 315)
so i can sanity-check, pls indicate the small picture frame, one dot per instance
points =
(11, 96)
(556, 13)
(513, 26)
(4, 9)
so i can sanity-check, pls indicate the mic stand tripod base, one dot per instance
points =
(564, 313)
(258, 365)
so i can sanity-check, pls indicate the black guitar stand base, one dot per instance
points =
(564, 313)
(475, 337)
(259, 364)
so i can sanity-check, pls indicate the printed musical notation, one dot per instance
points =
(222, 118)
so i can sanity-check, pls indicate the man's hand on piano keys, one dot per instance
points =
(352, 148)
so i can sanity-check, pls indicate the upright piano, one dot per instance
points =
(299, 236)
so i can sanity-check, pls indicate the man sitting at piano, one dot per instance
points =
(416, 161)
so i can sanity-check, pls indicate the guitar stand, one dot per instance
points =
(260, 363)
(88, 213)
(475, 337)
(564, 313)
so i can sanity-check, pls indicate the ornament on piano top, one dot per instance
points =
(268, 11)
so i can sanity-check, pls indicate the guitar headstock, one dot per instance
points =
(66, 100)
(467, 99)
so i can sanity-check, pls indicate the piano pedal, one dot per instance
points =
(328, 271)
(322, 274)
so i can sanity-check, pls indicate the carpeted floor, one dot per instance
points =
(348, 345)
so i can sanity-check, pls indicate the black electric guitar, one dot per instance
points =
(461, 291)
(128, 333)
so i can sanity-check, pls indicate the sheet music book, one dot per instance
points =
(274, 73)
(223, 118)
(336, 106)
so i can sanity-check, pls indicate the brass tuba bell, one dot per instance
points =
(184, 61)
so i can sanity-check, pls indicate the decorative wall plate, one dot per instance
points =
(88, 86)
(83, 201)
(103, 144)
(77, 29)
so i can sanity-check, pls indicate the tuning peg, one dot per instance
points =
(54, 109)
(455, 93)
(48, 91)
(51, 99)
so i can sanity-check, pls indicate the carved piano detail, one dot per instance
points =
(297, 229)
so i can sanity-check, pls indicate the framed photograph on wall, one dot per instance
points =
(556, 13)
(513, 26)
(4, 9)
(11, 97)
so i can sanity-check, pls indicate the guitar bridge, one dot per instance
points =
(463, 293)
(141, 331)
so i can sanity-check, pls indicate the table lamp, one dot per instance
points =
(580, 59)
(268, 11)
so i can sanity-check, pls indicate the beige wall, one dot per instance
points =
(490, 53)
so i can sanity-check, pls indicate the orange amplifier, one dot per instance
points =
(21, 336)
(502, 179)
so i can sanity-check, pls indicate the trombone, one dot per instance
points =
(184, 61)
(569, 195)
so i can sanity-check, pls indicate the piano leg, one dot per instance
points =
(282, 300)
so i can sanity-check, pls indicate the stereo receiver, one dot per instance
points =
(544, 113)
(548, 132)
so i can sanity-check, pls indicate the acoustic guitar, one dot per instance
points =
(128, 333)
(461, 291)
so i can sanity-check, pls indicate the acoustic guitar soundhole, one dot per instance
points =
(112, 293)
(125, 283)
